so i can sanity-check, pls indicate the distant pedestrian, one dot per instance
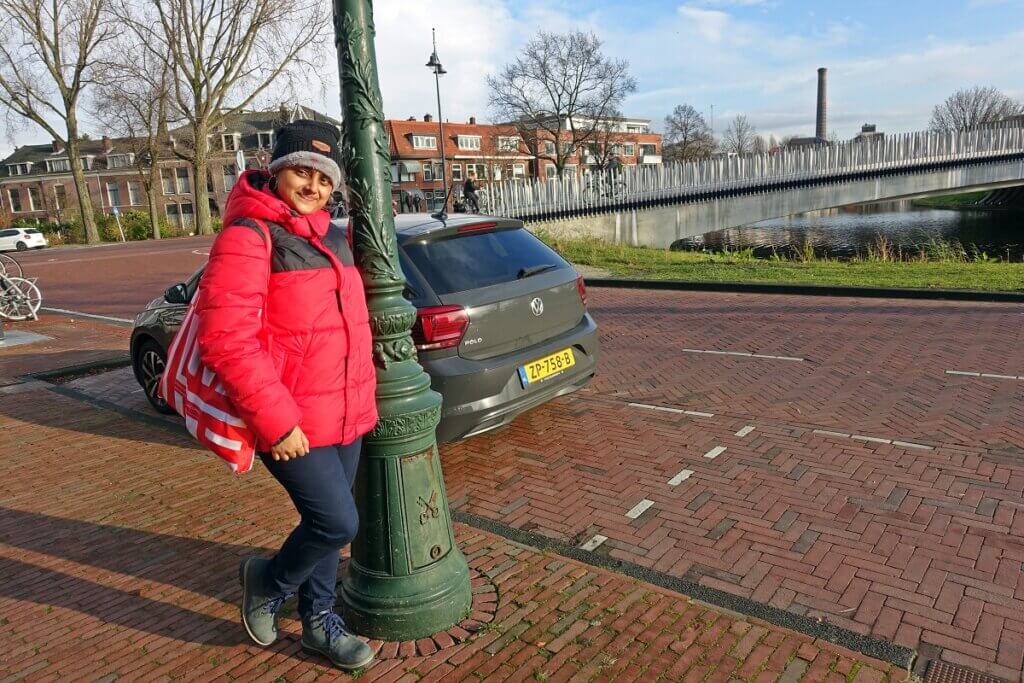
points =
(283, 325)
(408, 203)
(416, 201)
(469, 189)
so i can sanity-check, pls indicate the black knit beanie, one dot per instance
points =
(309, 144)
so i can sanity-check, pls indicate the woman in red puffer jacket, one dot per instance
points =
(283, 324)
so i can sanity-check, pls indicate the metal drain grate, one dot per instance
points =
(942, 672)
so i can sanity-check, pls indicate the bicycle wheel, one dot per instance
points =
(483, 201)
(10, 267)
(20, 299)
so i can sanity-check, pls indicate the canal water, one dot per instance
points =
(847, 232)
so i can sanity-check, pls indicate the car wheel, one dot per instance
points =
(21, 246)
(150, 361)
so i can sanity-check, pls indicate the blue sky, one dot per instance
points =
(889, 62)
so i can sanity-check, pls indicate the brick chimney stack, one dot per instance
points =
(108, 146)
(428, 118)
(472, 120)
(58, 146)
(821, 123)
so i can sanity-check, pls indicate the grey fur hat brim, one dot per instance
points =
(317, 162)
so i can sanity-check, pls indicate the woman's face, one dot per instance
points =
(304, 189)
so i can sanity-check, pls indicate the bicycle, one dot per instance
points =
(9, 266)
(20, 298)
(481, 204)
(603, 187)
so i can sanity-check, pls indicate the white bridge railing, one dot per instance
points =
(664, 183)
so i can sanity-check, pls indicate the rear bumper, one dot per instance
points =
(483, 395)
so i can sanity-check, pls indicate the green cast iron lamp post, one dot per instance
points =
(407, 579)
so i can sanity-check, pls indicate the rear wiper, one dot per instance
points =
(533, 270)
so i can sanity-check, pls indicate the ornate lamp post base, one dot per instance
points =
(407, 579)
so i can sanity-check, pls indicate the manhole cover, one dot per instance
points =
(942, 672)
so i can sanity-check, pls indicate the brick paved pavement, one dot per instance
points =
(72, 342)
(921, 546)
(118, 547)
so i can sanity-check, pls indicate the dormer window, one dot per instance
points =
(265, 139)
(229, 142)
(19, 169)
(508, 143)
(87, 162)
(57, 165)
(424, 142)
(120, 160)
(469, 142)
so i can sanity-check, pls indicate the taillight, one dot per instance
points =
(582, 289)
(439, 327)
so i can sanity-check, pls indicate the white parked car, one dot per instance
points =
(20, 239)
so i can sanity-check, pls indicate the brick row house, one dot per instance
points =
(36, 182)
(496, 152)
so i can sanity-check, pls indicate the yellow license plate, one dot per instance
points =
(544, 368)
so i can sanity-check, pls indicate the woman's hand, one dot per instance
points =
(295, 445)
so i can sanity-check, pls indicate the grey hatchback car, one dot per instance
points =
(502, 323)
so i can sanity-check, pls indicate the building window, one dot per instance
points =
(35, 199)
(181, 174)
(456, 171)
(518, 170)
(14, 199)
(549, 148)
(265, 140)
(87, 163)
(428, 171)
(120, 160)
(567, 148)
(569, 170)
(113, 194)
(167, 180)
(400, 175)
(60, 197)
(646, 150)
(187, 215)
(629, 149)
(497, 172)
(56, 165)
(172, 215)
(229, 142)
(134, 193)
(508, 143)
(230, 176)
(19, 169)
(551, 171)
(480, 170)
(469, 142)
(424, 142)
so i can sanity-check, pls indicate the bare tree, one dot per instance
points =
(224, 54)
(687, 135)
(133, 101)
(560, 90)
(739, 136)
(49, 55)
(970, 107)
(773, 142)
(760, 145)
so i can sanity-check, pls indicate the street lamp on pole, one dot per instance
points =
(434, 64)
(407, 578)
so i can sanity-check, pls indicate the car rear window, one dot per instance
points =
(479, 259)
(32, 231)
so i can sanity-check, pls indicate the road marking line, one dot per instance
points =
(200, 252)
(742, 354)
(990, 375)
(593, 543)
(640, 508)
(714, 452)
(680, 478)
(746, 430)
(676, 411)
(874, 439)
(85, 315)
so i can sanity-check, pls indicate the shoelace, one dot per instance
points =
(333, 625)
(274, 604)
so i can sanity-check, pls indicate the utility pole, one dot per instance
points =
(407, 579)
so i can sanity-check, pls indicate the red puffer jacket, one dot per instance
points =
(311, 364)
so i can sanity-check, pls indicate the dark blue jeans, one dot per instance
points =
(320, 485)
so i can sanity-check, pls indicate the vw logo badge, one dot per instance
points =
(537, 306)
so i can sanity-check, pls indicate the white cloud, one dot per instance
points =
(710, 24)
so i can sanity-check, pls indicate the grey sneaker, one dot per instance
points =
(325, 634)
(259, 609)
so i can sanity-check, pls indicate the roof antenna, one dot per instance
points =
(442, 215)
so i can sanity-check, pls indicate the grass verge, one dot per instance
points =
(951, 201)
(944, 267)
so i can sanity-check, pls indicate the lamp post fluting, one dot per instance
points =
(407, 578)
(434, 64)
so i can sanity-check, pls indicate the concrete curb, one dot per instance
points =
(811, 290)
(81, 368)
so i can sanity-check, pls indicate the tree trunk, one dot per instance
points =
(92, 235)
(154, 205)
(200, 163)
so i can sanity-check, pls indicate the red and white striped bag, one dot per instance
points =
(196, 394)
